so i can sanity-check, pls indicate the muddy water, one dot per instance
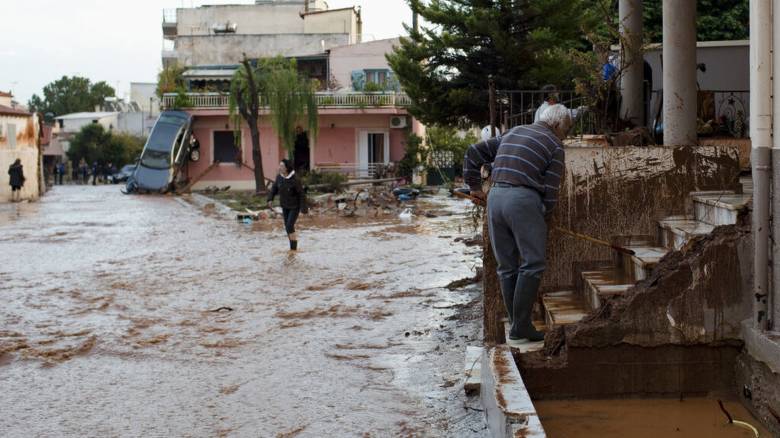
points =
(653, 418)
(146, 316)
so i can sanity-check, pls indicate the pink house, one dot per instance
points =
(358, 130)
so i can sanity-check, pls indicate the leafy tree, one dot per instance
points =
(88, 143)
(414, 155)
(446, 138)
(170, 80)
(291, 101)
(70, 95)
(244, 103)
(94, 143)
(445, 67)
(717, 20)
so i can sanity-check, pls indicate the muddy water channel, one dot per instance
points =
(148, 316)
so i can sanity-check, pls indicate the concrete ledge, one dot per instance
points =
(509, 410)
(763, 346)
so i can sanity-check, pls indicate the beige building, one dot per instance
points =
(220, 34)
(19, 133)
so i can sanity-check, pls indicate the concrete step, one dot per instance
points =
(675, 231)
(509, 410)
(719, 209)
(638, 266)
(602, 285)
(747, 184)
(562, 308)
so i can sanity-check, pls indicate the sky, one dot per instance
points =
(118, 41)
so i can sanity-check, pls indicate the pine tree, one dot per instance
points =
(445, 66)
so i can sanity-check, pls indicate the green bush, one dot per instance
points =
(329, 182)
(414, 155)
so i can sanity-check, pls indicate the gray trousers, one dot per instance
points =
(518, 231)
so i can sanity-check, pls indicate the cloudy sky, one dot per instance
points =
(117, 41)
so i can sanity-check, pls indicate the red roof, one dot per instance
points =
(4, 94)
(8, 111)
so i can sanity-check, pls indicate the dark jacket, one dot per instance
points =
(290, 192)
(16, 173)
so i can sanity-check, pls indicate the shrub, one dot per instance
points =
(325, 181)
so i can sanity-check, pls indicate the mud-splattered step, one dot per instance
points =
(563, 308)
(719, 209)
(638, 266)
(600, 286)
(675, 231)
(509, 410)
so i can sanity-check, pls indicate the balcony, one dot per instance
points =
(169, 24)
(325, 100)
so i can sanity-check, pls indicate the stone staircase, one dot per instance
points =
(603, 281)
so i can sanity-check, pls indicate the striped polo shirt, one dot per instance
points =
(527, 155)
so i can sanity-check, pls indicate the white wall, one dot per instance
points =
(25, 149)
(75, 125)
(370, 55)
(728, 68)
(141, 92)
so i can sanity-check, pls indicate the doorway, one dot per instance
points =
(373, 149)
(301, 153)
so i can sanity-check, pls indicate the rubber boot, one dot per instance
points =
(508, 285)
(293, 245)
(524, 299)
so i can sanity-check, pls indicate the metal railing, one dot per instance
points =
(518, 107)
(324, 99)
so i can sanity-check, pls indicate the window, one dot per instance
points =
(225, 150)
(378, 77)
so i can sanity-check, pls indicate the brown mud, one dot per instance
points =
(141, 316)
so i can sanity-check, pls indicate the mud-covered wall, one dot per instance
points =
(624, 191)
(759, 387)
(696, 296)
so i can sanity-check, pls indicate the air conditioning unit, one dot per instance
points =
(398, 122)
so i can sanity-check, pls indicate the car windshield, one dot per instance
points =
(156, 159)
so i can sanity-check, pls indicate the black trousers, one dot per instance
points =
(290, 216)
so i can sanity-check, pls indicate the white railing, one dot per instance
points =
(324, 99)
(352, 169)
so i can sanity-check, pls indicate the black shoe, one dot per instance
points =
(293, 245)
(523, 307)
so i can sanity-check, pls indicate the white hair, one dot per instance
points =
(558, 117)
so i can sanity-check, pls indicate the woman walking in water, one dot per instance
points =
(291, 198)
(16, 177)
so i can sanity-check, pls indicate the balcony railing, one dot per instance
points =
(324, 100)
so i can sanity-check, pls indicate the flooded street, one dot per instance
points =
(148, 316)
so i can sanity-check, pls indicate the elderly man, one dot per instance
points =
(528, 164)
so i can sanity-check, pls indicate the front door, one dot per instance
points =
(373, 149)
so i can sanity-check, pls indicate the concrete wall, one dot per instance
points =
(370, 55)
(251, 19)
(141, 92)
(625, 191)
(337, 21)
(25, 149)
(228, 49)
